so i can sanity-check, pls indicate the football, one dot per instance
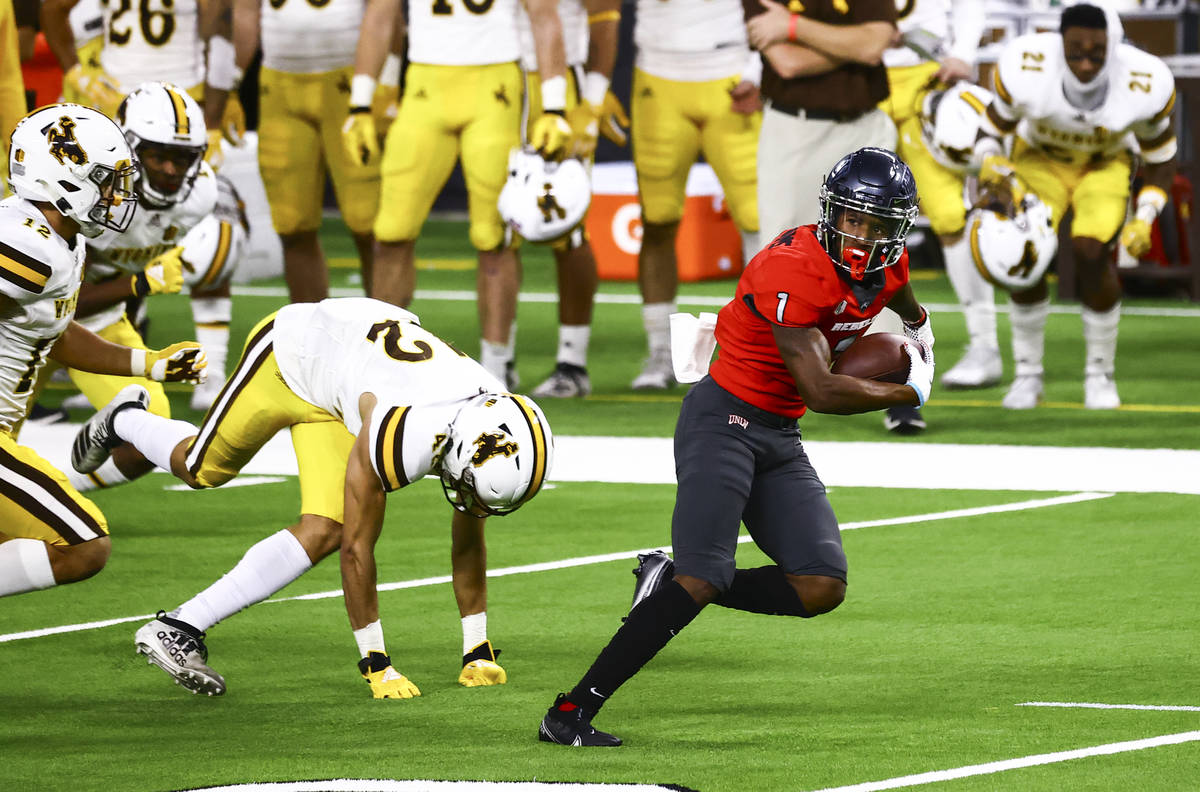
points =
(878, 356)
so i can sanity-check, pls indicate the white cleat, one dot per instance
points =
(980, 367)
(657, 373)
(97, 438)
(1100, 392)
(178, 649)
(1024, 393)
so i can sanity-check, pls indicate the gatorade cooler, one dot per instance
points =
(708, 246)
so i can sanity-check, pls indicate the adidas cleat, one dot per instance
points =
(178, 648)
(97, 438)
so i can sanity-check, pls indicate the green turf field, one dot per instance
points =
(949, 627)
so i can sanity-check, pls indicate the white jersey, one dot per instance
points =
(302, 37)
(87, 21)
(332, 352)
(691, 41)
(153, 40)
(1141, 94)
(574, 17)
(41, 272)
(463, 32)
(152, 233)
(936, 29)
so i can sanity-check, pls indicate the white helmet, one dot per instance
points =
(950, 121)
(496, 455)
(541, 200)
(76, 159)
(1012, 247)
(165, 127)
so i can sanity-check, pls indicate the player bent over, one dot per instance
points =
(72, 174)
(374, 402)
(738, 455)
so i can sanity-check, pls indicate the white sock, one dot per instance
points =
(370, 639)
(1100, 339)
(474, 630)
(495, 358)
(750, 246)
(656, 317)
(265, 568)
(107, 475)
(975, 294)
(1029, 336)
(573, 344)
(153, 435)
(212, 316)
(24, 566)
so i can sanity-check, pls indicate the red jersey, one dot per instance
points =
(792, 283)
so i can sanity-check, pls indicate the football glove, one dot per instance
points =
(920, 370)
(182, 362)
(358, 136)
(1135, 237)
(584, 120)
(385, 681)
(163, 275)
(480, 667)
(384, 108)
(613, 119)
(921, 332)
(99, 88)
(214, 155)
(233, 121)
(995, 169)
(550, 135)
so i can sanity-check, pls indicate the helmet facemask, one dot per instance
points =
(118, 199)
(166, 172)
(862, 237)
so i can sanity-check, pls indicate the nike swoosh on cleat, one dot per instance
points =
(597, 693)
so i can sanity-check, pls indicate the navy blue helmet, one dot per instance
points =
(868, 206)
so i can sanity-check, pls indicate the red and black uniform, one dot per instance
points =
(793, 283)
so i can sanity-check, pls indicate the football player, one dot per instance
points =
(374, 402)
(72, 173)
(1072, 100)
(695, 90)
(938, 45)
(157, 254)
(462, 99)
(738, 454)
(590, 38)
(307, 65)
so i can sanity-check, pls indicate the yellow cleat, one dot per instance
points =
(385, 681)
(480, 668)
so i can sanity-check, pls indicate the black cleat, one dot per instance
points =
(653, 569)
(904, 420)
(572, 726)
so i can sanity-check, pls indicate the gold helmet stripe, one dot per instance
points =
(977, 254)
(182, 125)
(219, 259)
(538, 432)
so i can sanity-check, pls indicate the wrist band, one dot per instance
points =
(595, 88)
(390, 75)
(1150, 203)
(222, 70)
(604, 16)
(554, 94)
(137, 362)
(792, 27)
(362, 90)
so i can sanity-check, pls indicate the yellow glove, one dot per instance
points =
(214, 155)
(384, 108)
(100, 89)
(613, 120)
(1135, 237)
(584, 120)
(480, 668)
(233, 120)
(550, 135)
(358, 136)
(163, 275)
(182, 362)
(385, 681)
(995, 169)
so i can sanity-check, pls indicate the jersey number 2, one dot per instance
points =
(390, 330)
(443, 7)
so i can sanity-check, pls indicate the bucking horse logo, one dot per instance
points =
(63, 145)
(490, 444)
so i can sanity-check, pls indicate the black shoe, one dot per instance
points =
(904, 420)
(572, 726)
(652, 571)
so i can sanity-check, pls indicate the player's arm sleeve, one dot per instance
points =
(23, 273)
(1156, 133)
(385, 435)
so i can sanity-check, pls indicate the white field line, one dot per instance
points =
(697, 300)
(1016, 764)
(1086, 705)
(588, 560)
(244, 481)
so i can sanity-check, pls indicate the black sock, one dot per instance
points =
(651, 624)
(762, 590)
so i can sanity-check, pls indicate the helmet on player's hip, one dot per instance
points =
(166, 130)
(868, 205)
